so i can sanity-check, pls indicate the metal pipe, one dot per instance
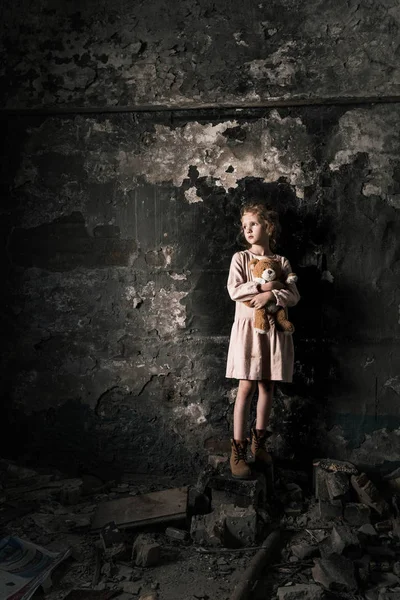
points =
(244, 587)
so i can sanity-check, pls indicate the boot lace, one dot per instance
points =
(240, 453)
(260, 442)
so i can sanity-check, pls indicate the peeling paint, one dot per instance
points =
(284, 147)
(167, 315)
(194, 412)
(132, 296)
(368, 131)
(192, 196)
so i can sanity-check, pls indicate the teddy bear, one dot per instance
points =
(264, 271)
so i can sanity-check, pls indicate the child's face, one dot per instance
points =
(254, 229)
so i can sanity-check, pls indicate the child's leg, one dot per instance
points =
(259, 433)
(242, 407)
(264, 404)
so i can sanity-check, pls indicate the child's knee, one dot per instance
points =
(266, 385)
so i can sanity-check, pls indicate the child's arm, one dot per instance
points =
(289, 295)
(239, 288)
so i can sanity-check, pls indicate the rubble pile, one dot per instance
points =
(340, 533)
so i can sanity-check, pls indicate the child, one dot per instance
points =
(255, 358)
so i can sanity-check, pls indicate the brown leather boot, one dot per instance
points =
(258, 448)
(239, 467)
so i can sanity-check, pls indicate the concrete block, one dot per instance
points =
(367, 531)
(356, 514)
(179, 535)
(368, 493)
(338, 485)
(228, 524)
(342, 537)
(330, 510)
(240, 492)
(241, 526)
(145, 551)
(304, 551)
(335, 573)
(207, 530)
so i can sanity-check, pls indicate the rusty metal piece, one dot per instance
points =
(342, 466)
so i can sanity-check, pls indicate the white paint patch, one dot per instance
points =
(274, 147)
(166, 314)
(191, 195)
(132, 296)
(168, 253)
(193, 412)
(284, 66)
(239, 41)
(178, 276)
(232, 395)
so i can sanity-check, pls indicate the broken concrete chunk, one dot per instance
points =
(368, 493)
(242, 493)
(335, 573)
(338, 485)
(116, 552)
(145, 551)
(342, 537)
(356, 514)
(228, 524)
(330, 510)
(389, 595)
(207, 530)
(177, 534)
(368, 530)
(132, 587)
(240, 526)
(304, 551)
(300, 591)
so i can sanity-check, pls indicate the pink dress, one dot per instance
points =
(252, 355)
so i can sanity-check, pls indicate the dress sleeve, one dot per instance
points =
(289, 296)
(239, 288)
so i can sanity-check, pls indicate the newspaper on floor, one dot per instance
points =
(24, 566)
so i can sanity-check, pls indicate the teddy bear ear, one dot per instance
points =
(253, 263)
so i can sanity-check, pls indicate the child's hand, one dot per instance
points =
(260, 300)
(272, 285)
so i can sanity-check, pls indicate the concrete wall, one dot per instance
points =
(96, 53)
(118, 229)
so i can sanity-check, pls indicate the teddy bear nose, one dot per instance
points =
(269, 271)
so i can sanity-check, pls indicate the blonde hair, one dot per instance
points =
(269, 216)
